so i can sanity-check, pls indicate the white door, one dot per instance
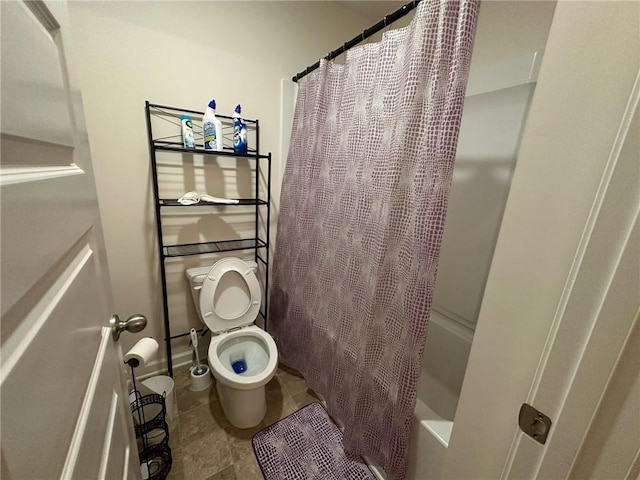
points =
(65, 410)
(558, 327)
(588, 380)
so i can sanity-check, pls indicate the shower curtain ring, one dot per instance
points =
(385, 21)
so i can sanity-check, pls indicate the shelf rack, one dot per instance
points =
(173, 143)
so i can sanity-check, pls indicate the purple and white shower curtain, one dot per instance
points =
(361, 217)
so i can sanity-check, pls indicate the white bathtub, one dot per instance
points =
(446, 352)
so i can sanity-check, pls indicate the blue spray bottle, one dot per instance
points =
(239, 132)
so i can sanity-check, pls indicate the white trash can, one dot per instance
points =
(163, 385)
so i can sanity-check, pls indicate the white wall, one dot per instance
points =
(181, 54)
(508, 29)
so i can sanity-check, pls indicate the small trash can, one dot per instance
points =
(163, 385)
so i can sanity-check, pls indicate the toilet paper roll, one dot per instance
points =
(142, 352)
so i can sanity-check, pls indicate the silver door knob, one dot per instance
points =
(134, 324)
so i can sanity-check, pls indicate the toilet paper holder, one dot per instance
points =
(134, 324)
(149, 409)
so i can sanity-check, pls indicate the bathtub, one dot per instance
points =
(445, 361)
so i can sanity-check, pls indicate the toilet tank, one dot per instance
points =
(197, 275)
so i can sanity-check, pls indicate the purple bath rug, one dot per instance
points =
(306, 445)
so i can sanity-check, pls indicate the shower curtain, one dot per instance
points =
(361, 217)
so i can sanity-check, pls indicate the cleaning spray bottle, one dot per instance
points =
(239, 132)
(211, 128)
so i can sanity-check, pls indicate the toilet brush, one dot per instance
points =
(198, 369)
(200, 374)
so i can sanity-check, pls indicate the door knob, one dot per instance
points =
(134, 324)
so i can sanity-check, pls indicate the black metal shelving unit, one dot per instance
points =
(173, 143)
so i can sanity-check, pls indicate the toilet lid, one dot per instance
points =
(230, 295)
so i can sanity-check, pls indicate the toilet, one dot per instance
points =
(242, 357)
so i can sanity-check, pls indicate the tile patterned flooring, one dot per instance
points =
(205, 446)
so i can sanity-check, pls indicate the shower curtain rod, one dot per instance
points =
(366, 33)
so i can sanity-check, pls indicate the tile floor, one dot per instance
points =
(205, 446)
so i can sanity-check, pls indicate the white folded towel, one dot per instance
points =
(191, 198)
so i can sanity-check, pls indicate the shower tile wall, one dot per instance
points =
(492, 124)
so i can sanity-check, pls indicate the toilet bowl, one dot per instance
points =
(242, 357)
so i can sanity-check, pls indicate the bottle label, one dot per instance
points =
(236, 135)
(209, 131)
(187, 134)
(240, 138)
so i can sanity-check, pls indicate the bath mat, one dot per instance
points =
(306, 445)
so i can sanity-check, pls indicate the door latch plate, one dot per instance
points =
(534, 423)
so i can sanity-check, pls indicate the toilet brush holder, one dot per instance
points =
(200, 374)
(200, 378)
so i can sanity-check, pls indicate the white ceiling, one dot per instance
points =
(374, 10)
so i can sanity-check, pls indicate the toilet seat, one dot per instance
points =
(225, 376)
(230, 296)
